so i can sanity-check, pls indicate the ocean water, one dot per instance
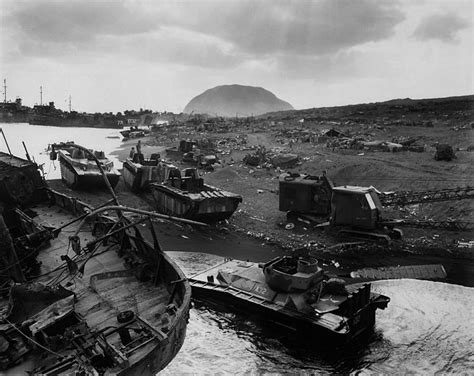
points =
(427, 328)
(37, 138)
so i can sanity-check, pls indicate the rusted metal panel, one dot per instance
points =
(435, 271)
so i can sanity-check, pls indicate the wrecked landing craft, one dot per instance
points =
(184, 194)
(139, 172)
(294, 293)
(79, 169)
(82, 291)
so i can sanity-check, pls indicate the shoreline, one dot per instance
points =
(123, 151)
(229, 241)
(259, 221)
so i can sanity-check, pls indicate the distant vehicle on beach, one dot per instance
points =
(135, 132)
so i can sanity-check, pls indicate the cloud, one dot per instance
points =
(292, 26)
(174, 46)
(228, 31)
(80, 21)
(320, 68)
(443, 27)
(93, 30)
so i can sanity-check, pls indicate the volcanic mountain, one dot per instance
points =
(236, 100)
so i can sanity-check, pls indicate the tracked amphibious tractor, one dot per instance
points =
(184, 194)
(294, 293)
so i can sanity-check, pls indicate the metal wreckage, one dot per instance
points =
(294, 293)
(82, 289)
(358, 211)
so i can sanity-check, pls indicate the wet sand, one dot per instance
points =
(148, 148)
(222, 240)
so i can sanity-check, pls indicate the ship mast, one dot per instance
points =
(69, 103)
(41, 95)
(5, 90)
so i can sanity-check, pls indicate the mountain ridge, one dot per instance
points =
(234, 100)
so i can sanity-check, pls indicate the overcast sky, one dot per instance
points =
(124, 54)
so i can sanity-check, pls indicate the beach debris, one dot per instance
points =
(435, 271)
(258, 219)
(444, 152)
(469, 244)
(276, 158)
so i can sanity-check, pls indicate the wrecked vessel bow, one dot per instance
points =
(84, 291)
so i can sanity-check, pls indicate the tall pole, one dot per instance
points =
(5, 90)
(69, 103)
(6, 143)
(41, 95)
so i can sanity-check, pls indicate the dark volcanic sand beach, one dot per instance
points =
(223, 241)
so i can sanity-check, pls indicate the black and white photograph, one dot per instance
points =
(236, 187)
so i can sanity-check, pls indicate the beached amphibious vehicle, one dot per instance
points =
(184, 194)
(139, 172)
(79, 169)
(293, 292)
